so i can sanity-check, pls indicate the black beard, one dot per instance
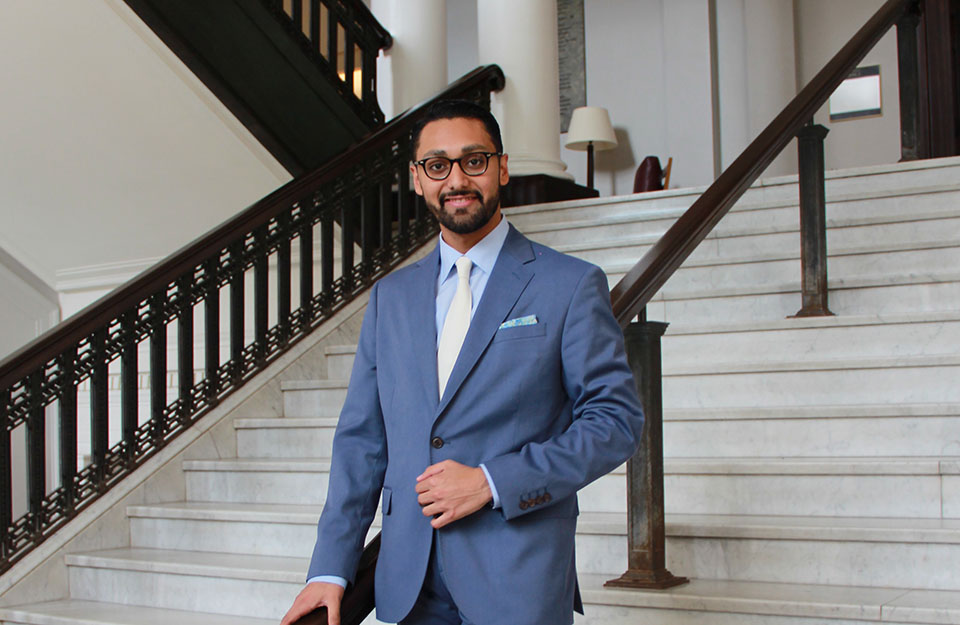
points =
(473, 221)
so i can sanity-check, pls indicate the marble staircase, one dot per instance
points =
(812, 464)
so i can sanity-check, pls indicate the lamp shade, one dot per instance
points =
(591, 124)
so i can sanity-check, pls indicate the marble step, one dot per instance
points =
(287, 437)
(865, 430)
(260, 587)
(726, 245)
(933, 292)
(77, 612)
(920, 487)
(866, 209)
(724, 602)
(814, 338)
(263, 587)
(313, 398)
(861, 182)
(800, 338)
(795, 550)
(816, 550)
(784, 268)
(849, 381)
(339, 361)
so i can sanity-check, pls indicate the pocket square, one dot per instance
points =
(529, 320)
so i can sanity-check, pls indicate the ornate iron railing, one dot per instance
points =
(359, 208)
(343, 38)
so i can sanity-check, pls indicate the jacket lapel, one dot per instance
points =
(421, 316)
(509, 278)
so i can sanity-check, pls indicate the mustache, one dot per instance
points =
(466, 192)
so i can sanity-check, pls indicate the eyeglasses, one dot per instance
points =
(439, 167)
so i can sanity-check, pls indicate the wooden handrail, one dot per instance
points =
(48, 345)
(644, 279)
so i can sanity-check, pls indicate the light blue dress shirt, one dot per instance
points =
(483, 255)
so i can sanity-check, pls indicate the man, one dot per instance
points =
(490, 384)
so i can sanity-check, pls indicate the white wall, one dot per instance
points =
(114, 154)
(757, 76)
(823, 27)
(648, 64)
(28, 307)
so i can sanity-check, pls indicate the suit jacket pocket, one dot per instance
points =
(385, 503)
(521, 332)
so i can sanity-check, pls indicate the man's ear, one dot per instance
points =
(504, 174)
(416, 179)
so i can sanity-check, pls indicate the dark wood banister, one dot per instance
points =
(94, 316)
(632, 293)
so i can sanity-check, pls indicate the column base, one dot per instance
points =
(655, 580)
(541, 188)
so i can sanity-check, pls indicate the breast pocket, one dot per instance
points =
(521, 332)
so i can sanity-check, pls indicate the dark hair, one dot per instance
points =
(455, 109)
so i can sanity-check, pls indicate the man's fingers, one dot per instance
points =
(432, 470)
(333, 613)
(442, 520)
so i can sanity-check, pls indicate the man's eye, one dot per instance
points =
(436, 165)
(474, 160)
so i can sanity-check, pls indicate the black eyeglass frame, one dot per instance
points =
(423, 163)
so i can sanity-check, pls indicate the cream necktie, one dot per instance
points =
(455, 325)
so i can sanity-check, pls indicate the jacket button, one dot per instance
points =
(547, 498)
(437, 442)
(524, 504)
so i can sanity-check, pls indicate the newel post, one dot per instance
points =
(913, 144)
(813, 222)
(646, 534)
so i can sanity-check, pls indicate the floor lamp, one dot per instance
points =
(590, 130)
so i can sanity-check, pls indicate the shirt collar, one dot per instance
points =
(484, 254)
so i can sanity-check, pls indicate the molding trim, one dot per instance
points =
(34, 281)
(103, 276)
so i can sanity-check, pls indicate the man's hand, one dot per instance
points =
(449, 491)
(312, 597)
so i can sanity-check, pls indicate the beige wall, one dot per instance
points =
(823, 27)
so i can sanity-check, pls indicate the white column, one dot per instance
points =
(521, 37)
(415, 67)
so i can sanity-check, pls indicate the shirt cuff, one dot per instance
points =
(329, 579)
(493, 488)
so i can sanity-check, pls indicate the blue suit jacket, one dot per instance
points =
(547, 407)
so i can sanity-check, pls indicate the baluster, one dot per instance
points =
(297, 16)
(67, 399)
(386, 214)
(306, 275)
(6, 470)
(315, 24)
(646, 533)
(99, 406)
(913, 141)
(347, 211)
(261, 294)
(283, 277)
(236, 310)
(211, 330)
(158, 368)
(369, 75)
(349, 62)
(368, 223)
(326, 255)
(129, 381)
(813, 222)
(36, 451)
(185, 348)
(333, 23)
(404, 198)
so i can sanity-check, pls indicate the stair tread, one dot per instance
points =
(204, 563)
(902, 605)
(75, 612)
(752, 465)
(869, 529)
(283, 422)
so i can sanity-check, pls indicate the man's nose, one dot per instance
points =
(456, 176)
